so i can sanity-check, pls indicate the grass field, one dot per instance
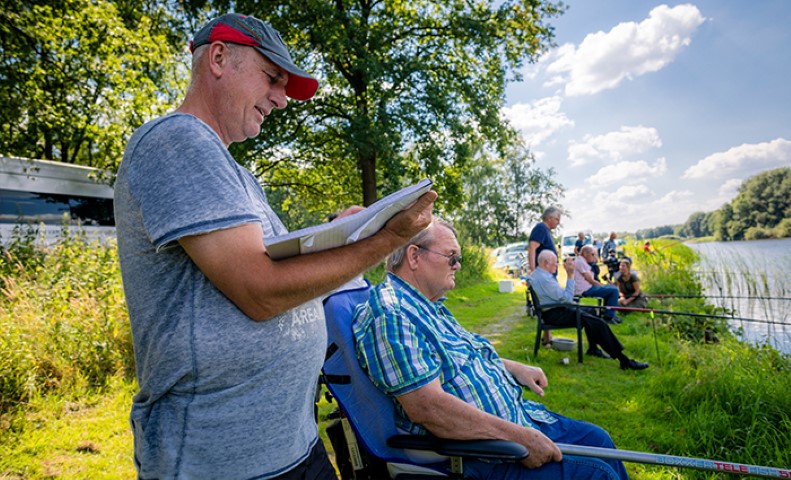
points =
(67, 382)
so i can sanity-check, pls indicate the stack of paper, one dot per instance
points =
(347, 229)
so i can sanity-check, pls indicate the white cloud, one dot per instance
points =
(628, 192)
(538, 120)
(628, 172)
(628, 208)
(613, 146)
(744, 160)
(603, 60)
(729, 189)
(675, 197)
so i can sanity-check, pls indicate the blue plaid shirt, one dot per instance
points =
(405, 341)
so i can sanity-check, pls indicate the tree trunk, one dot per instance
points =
(368, 169)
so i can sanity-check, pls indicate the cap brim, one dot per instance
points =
(300, 86)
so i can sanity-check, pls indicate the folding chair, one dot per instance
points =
(370, 415)
(543, 326)
(596, 302)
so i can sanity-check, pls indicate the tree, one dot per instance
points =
(410, 88)
(77, 76)
(503, 196)
(486, 207)
(722, 219)
(694, 226)
(763, 201)
(654, 232)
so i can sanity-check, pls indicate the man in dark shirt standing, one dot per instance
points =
(540, 240)
(541, 236)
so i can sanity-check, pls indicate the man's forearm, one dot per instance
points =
(235, 261)
(447, 416)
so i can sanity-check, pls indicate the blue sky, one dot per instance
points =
(650, 111)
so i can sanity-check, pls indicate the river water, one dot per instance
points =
(760, 270)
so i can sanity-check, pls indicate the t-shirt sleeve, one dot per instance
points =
(397, 355)
(186, 182)
(537, 234)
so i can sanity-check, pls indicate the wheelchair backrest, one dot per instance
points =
(370, 412)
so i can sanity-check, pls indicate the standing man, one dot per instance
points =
(581, 241)
(540, 240)
(585, 285)
(228, 342)
(541, 236)
(609, 246)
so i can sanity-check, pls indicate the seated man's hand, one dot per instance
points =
(542, 449)
(568, 265)
(531, 377)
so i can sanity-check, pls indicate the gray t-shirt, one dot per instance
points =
(221, 396)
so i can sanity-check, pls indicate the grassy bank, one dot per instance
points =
(66, 378)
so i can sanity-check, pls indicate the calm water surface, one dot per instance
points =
(759, 269)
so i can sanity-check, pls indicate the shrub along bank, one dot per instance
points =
(66, 369)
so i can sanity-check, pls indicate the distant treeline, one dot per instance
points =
(761, 209)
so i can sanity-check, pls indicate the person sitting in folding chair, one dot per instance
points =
(587, 285)
(449, 382)
(598, 332)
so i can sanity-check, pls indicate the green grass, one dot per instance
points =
(66, 387)
(88, 438)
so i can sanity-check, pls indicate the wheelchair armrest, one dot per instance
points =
(489, 449)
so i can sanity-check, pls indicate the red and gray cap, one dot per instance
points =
(248, 30)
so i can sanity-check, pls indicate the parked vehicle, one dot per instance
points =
(512, 259)
(43, 195)
(568, 240)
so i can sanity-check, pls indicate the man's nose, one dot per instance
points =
(278, 97)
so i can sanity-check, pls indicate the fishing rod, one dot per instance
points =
(671, 295)
(675, 461)
(692, 314)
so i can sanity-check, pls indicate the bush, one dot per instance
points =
(733, 400)
(475, 267)
(757, 233)
(670, 271)
(63, 321)
(783, 229)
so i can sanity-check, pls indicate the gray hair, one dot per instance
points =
(424, 238)
(200, 56)
(551, 212)
(544, 256)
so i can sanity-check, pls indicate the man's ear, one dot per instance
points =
(411, 255)
(219, 56)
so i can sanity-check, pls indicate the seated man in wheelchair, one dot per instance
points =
(450, 382)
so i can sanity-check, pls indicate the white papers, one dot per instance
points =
(345, 230)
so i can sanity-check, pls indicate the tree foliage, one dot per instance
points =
(77, 76)
(761, 209)
(410, 89)
(762, 203)
(654, 232)
(503, 197)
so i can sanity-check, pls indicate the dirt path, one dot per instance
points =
(494, 331)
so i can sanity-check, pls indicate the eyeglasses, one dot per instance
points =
(452, 258)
